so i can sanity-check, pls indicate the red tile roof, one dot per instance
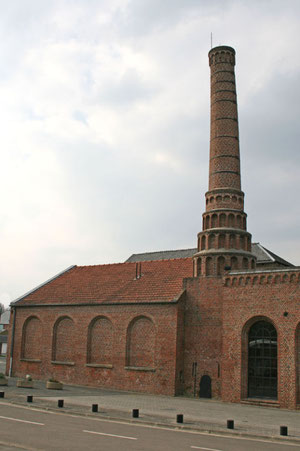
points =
(115, 283)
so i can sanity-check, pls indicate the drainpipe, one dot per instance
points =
(14, 312)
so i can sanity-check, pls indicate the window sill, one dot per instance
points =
(99, 365)
(31, 360)
(56, 362)
(141, 368)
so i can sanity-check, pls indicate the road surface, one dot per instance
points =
(24, 428)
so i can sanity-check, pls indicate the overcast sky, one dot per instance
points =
(104, 109)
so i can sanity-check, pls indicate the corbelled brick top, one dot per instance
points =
(115, 283)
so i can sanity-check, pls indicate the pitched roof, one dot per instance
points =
(262, 254)
(162, 255)
(116, 283)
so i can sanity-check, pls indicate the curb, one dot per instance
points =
(158, 424)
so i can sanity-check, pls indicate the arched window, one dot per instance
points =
(100, 341)
(31, 339)
(234, 263)
(232, 242)
(203, 242)
(220, 265)
(239, 221)
(209, 266)
(140, 346)
(198, 266)
(221, 241)
(231, 220)
(207, 222)
(248, 244)
(245, 263)
(214, 221)
(211, 241)
(222, 220)
(262, 361)
(63, 340)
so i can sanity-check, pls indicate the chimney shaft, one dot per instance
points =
(224, 241)
(224, 164)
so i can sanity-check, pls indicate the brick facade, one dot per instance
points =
(180, 325)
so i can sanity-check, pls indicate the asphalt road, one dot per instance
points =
(29, 429)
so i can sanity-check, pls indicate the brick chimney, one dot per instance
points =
(224, 242)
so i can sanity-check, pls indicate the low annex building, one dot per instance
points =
(221, 320)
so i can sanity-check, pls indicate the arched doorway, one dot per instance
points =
(205, 387)
(262, 361)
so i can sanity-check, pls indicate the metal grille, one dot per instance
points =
(262, 361)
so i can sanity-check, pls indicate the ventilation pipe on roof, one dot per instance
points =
(138, 270)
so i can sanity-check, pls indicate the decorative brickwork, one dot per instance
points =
(141, 343)
(63, 343)
(224, 240)
(100, 341)
(31, 338)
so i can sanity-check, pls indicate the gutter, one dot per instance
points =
(14, 313)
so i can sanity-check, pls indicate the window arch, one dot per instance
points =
(32, 339)
(220, 266)
(262, 360)
(221, 241)
(63, 340)
(100, 341)
(234, 263)
(209, 266)
(214, 221)
(199, 266)
(222, 220)
(207, 221)
(211, 241)
(140, 345)
(231, 220)
(232, 241)
(203, 242)
(245, 263)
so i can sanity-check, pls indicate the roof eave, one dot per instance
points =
(12, 304)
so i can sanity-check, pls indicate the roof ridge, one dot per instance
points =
(133, 263)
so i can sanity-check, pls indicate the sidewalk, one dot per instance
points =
(199, 414)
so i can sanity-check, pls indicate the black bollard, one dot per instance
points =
(283, 430)
(135, 413)
(94, 407)
(2, 394)
(29, 398)
(230, 424)
(179, 418)
(60, 403)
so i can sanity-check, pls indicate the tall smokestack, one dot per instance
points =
(224, 163)
(224, 241)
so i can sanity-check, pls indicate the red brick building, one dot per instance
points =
(221, 320)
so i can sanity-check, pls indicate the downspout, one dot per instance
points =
(14, 312)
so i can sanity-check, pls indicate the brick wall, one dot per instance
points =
(203, 333)
(273, 297)
(69, 360)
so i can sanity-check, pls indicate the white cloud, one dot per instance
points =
(105, 127)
